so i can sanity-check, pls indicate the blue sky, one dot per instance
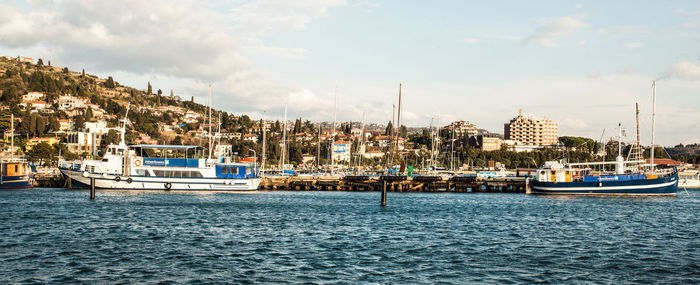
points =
(582, 64)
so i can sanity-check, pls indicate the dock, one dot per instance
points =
(459, 184)
(394, 183)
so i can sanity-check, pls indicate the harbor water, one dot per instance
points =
(60, 236)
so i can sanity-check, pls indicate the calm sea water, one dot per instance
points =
(60, 236)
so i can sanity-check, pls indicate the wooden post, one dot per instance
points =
(384, 194)
(92, 188)
(70, 185)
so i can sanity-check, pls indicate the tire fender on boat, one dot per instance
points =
(118, 178)
(129, 180)
(168, 186)
(86, 174)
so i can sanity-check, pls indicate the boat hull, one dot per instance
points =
(660, 186)
(17, 182)
(114, 182)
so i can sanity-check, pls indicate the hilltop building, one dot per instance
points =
(463, 129)
(341, 151)
(531, 131)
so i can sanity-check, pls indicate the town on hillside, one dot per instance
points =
(63, 114)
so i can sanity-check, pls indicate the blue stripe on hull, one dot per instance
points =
(17, 182)
(661, 186)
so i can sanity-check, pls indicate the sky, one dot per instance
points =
(582, 64)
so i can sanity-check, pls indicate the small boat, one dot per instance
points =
(689, 179)
(15, 173)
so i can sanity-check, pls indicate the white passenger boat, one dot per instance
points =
(160, 167)
(131, 168)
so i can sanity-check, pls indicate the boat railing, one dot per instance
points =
(13, 160)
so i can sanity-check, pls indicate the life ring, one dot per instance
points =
(137, 162)
(118, 178)
(86, 173)
(168, 186)
(129, 180)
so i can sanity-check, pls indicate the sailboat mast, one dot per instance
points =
(653, 123)
(335, 118)
(398, 124)
(12, 136)
(210, 137)
(262, 158)
(284, 138)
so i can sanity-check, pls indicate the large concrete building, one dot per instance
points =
(528, 130)
(463, 129)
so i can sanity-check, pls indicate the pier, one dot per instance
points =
(458, 184)
(394, 184)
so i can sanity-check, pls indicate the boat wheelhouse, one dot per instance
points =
(15, 174)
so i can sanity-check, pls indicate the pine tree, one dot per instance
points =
(40, 62)
(83, 74)
(149, 91)
(389, 131)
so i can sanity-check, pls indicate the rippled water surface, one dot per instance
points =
(60, 236)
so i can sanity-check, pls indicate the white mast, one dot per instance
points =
(262, 158)
(620, 164)
(335, 118)
(284, 138)
(12, 137)
(122, 131)
(653, 123)
(432, 143)
(210, 137)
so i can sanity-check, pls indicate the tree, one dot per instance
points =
(110, 83)
(112, 137)
(40, 62)
(389, 131)
(79, 122)
(149, 91)
(160, 92)
(54, 125)
(49, 62)
(83, 74)
(192, 99)
(41, 152)
(171, 93)
(89, 114)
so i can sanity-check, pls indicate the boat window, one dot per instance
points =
(141, 172)
(224, 170)
(233, 170)
(196, 174)
(16, 168)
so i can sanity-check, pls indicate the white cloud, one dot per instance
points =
(551, 30)
(595, 74)
(687, 12)
(181, 44)
(686, 70)
(633, 45)
(470, 40)
(621, 31)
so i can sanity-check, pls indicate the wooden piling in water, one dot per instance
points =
(92, 188)
(384, 194)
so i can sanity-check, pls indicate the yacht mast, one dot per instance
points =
(262, 171)
(397, 126)
(284, 138)
(335, 118)
(653, 123)
(210, 137)
(12, 137)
